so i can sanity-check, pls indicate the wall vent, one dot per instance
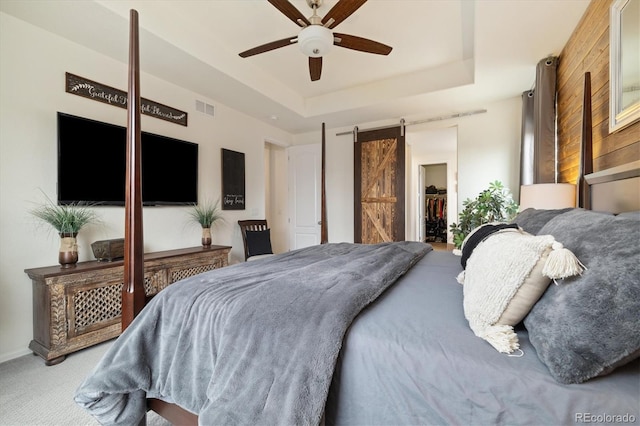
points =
(204, 108)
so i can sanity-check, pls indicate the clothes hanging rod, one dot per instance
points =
(428, 120)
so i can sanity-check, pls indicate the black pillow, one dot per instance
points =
(480, 234)
(259, 242)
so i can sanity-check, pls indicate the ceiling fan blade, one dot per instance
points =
(290, 12)
(315, 68)
(361, 44)
(341, 11)
(267, 47)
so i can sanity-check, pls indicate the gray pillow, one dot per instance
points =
(532, 220)
(590, 324)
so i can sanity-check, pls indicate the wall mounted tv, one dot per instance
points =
(92, 161)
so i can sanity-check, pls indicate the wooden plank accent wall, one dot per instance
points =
(588, 50)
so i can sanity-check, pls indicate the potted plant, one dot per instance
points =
(494, 204)
(206, 215)
(67, 220)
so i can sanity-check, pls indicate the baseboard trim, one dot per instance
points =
(13, 355)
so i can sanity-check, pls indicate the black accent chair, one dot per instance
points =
(256, 237)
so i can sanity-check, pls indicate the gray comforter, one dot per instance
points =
(254, 343)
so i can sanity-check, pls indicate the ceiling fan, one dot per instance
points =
(315, 38)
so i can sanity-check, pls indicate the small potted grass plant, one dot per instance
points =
(67, 220)
(206, 215)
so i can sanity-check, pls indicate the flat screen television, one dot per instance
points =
(92, 162)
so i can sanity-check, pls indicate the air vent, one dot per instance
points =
(204, 108)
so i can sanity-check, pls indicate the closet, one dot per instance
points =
(435, 203)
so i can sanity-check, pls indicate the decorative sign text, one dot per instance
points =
(233, 202)
(99, 92)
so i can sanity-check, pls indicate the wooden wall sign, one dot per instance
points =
(89, 89)
(233, 189)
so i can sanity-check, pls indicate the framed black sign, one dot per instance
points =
(89, 89)
(233, 188)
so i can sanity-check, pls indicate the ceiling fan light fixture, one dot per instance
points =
(315, 40)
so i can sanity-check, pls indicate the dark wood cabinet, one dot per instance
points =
(79, 307)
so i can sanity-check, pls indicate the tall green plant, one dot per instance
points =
(65, 219)
(494, 204)
(206, 214)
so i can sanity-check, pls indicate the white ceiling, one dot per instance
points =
(449, 56)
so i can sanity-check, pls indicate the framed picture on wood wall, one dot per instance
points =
(233, 186)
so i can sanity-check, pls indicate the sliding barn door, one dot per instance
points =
(379, 183)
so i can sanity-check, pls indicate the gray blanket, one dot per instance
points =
(254, 343)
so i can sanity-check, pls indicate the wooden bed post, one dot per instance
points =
(586, 148)
(133, 295)
(324, 237)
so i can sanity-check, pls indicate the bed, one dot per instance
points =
(377, 334)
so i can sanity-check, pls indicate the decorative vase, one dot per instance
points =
(68, 253)
(206, 237)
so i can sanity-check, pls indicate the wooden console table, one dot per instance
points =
(79, 307)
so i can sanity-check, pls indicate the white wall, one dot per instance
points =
(276, 196)
(32, 68)
(435, 174)
(488, 150)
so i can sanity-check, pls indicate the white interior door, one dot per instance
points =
(305, 162)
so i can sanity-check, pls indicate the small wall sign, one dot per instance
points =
(89, 89)
(233, 189)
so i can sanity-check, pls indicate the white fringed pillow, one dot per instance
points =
(505, 276)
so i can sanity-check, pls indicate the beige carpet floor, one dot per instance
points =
(34, 394)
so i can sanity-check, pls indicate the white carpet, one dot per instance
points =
(33, 394)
